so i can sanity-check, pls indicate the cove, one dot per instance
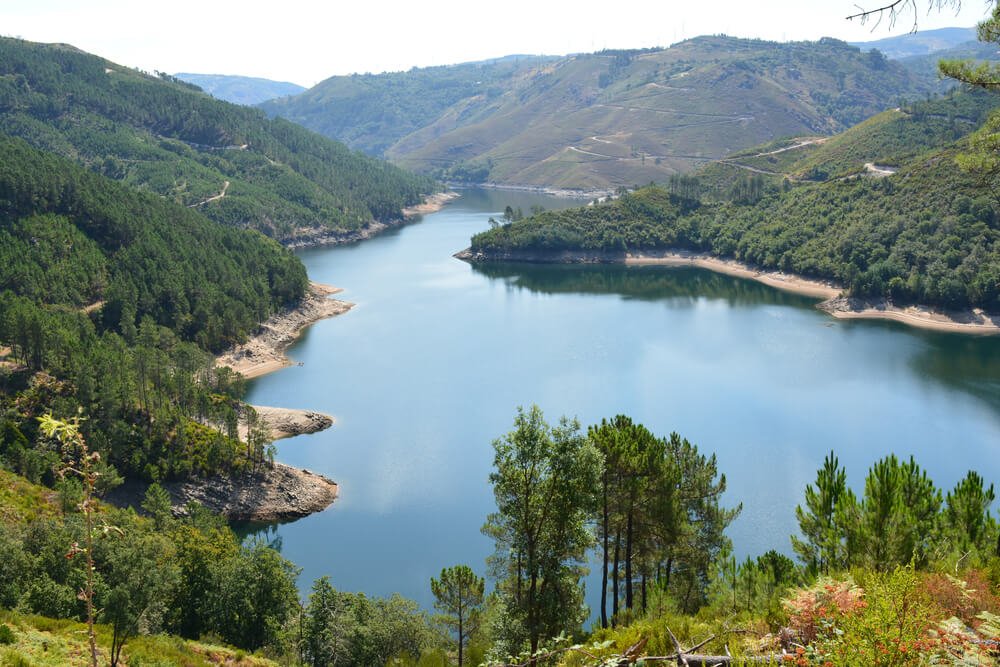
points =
(430, 365)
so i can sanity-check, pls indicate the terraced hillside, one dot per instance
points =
(624, 117)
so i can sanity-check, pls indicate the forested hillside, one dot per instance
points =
(159, 134)
(110, 301)
(610, 118)
(371, 112)
(925, 234)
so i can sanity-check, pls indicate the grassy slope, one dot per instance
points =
(47, 642)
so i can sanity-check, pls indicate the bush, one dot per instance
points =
(7, 634)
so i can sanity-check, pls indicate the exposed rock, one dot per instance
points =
(265, 352)
(308, 237)
(288, 422)
(276, 494)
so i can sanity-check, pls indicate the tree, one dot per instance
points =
(327, 625)
(139, 573)
(898, 514)
(981, 158)
(80, 461)
(967, 514)
(253, 596)
(820, 548)
(544, 484)
(459, 597)
(157, 504)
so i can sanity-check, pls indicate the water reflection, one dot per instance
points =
(645, 283)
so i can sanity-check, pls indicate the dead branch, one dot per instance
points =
(894, 9)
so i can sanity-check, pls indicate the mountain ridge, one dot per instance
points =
(611, 118)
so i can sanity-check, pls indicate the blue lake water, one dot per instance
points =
(431, 364)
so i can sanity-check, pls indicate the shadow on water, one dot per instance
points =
(969, 364)
(266, 532)
(681, 285)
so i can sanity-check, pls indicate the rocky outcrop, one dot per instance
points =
(280, 493)
(289, 422)
(541, 256)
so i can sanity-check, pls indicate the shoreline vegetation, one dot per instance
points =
(834, 301)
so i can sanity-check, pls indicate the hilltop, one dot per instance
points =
(610, 118)
(371, 112)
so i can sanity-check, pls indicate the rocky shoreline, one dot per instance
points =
(280, 493)
(974, 321)
(311, 237)
(288, 422)
(265, 352)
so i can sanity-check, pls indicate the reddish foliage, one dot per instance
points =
(812, 611)
(964, 603)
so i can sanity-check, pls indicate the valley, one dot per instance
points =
(673, 354)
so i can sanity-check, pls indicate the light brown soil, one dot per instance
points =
(265, 352)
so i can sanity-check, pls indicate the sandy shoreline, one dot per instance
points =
(432, 204)
(265, 352)
(777, 279)
(975, 321)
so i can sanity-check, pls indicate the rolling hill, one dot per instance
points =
(371, 112)
(615, 117)
(247, 90)
(232, 163)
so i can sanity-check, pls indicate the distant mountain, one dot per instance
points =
(230, 162)
(248, 90)
(927, 65)
(605, 119)
(920, 43)
(371, 112)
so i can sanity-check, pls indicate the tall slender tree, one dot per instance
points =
(458, 595)
(545, 483)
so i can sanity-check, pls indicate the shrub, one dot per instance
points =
(6, 634)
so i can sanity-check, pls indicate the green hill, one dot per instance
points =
(615, 117)
(927, 233)
(247, 90)
(371, 112)
(159, 134)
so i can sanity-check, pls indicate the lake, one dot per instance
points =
(431, 364)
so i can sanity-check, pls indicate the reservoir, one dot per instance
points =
(431, 364)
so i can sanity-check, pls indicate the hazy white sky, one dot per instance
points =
(305, 42)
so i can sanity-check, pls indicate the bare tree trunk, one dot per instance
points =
(614, 581)
(628, 561)
(604, 568)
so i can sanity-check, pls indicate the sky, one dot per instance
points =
(307, 41)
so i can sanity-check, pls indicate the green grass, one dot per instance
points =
(22, 502)
(46, 642)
